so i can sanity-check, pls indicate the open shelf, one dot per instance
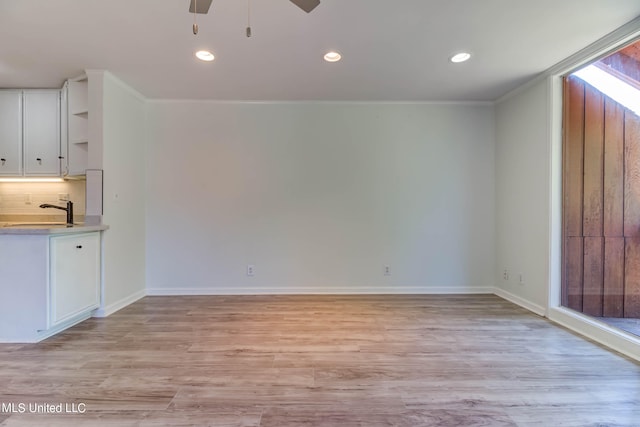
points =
(78, 125)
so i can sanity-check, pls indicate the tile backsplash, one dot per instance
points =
(25, 198)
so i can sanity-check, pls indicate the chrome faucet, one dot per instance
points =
(68, 209)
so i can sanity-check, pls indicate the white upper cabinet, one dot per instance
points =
(42, 132)
(10, 133)
(30, 132)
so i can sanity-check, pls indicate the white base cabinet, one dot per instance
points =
(49, 283)
(74, 276)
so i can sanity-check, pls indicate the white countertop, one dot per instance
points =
(47, 228)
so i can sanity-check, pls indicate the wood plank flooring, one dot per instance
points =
(321, 361)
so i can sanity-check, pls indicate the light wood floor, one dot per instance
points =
(322, 361)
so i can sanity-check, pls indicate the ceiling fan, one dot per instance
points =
(202, 6)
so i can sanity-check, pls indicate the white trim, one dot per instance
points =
(521, 89)
(47, 333)
(102, 74)
(599, 49)
(317, 102)
(591, 328)
(125, 86)
(554, 172)
(30, 340)
(535, 308)
(62, 326)
(118, 305)
(441, 290)
(594, 51)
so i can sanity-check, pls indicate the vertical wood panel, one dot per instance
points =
(632, 175)
(573, 157)
(593, 276)
(632, 277)
(613, 169)
(573, 272)
(632, 215)
(613, 277)
(601, 204)
(593, 162)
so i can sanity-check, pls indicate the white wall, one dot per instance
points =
(522, 196)
(319, 197)
(123, 152)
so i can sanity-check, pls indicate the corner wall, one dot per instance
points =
(123, 153)
(522, 197)
(320, 197)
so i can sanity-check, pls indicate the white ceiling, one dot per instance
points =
(394, 50)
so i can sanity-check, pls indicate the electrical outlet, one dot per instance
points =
(387, 270)
(27, 198)
(63, 197)
(251, 270)
(505, 274)
(521, 278)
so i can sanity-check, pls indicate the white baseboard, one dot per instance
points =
(323, 290)
(598, 331)
(118, 305)
(535, 308)
(42, 335)
(47, 333)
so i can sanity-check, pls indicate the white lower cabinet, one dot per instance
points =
(74, 276)
(48, 283)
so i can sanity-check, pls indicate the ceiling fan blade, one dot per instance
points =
(203, 6)
(306, 5)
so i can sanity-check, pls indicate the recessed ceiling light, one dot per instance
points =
(332, 56)
(205, 55)
(460, 57)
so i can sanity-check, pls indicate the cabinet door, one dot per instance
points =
(10, 132)
(64, 131)
(42, 132)
(75, 276)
